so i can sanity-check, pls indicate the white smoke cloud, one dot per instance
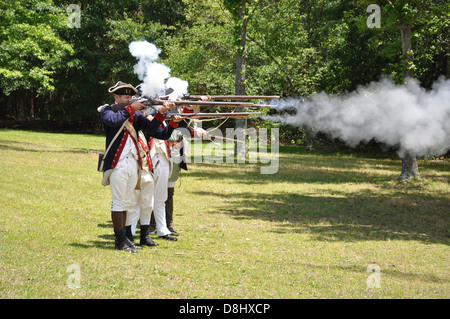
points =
(405, 116)
(179, 87)
(155, 76)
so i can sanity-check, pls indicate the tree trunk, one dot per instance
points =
(309, 137)
(410, 169)
(32, 103)
(240, 146)
(405, 31)
(448, 61)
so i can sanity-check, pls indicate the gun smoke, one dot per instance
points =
(408, 117)
(155, 76)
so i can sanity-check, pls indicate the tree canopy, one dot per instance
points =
(52, 71)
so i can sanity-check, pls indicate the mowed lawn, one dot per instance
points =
(311, 230)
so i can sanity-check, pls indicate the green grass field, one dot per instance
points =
(309, 231)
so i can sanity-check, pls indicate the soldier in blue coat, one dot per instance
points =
(122, 160)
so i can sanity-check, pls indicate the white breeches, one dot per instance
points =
(152, 197)
(123, 182)
(161, 178)
(143, 202)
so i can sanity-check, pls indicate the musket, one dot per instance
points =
(159, 102)
(231, 97)
(154, 102)
(209, 115)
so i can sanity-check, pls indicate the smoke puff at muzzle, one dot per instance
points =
(407, 116)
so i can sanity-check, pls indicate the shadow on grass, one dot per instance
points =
(387, 210)
(24, 146)
(105, 241)
(318, 170)
(358, 218)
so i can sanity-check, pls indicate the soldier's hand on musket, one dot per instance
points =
(177, 118)
(200, 132)
(137, 106)
(167, 106)
(195, 108)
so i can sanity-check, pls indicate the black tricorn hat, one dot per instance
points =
(123, 88)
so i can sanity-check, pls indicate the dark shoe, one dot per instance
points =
(168, 237)
(130, 238)
(173, 231)
(145, 239)
(122, 243)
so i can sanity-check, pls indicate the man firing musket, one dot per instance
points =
(125, 155)
(189, 111)
(188, 106)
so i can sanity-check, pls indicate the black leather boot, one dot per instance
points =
(145, 239)
(130, 237)
(122, 243)
(169, 211)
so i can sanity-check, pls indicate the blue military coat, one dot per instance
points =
(112, 123)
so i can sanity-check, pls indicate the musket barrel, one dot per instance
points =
(204, 103)
(234, 97)
(218, 115)
(211, 103)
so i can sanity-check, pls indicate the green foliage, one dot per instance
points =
(203, 54)
(233, 6)
(31, 50)
(294, 48)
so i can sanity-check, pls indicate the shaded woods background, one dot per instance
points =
(53, 75)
